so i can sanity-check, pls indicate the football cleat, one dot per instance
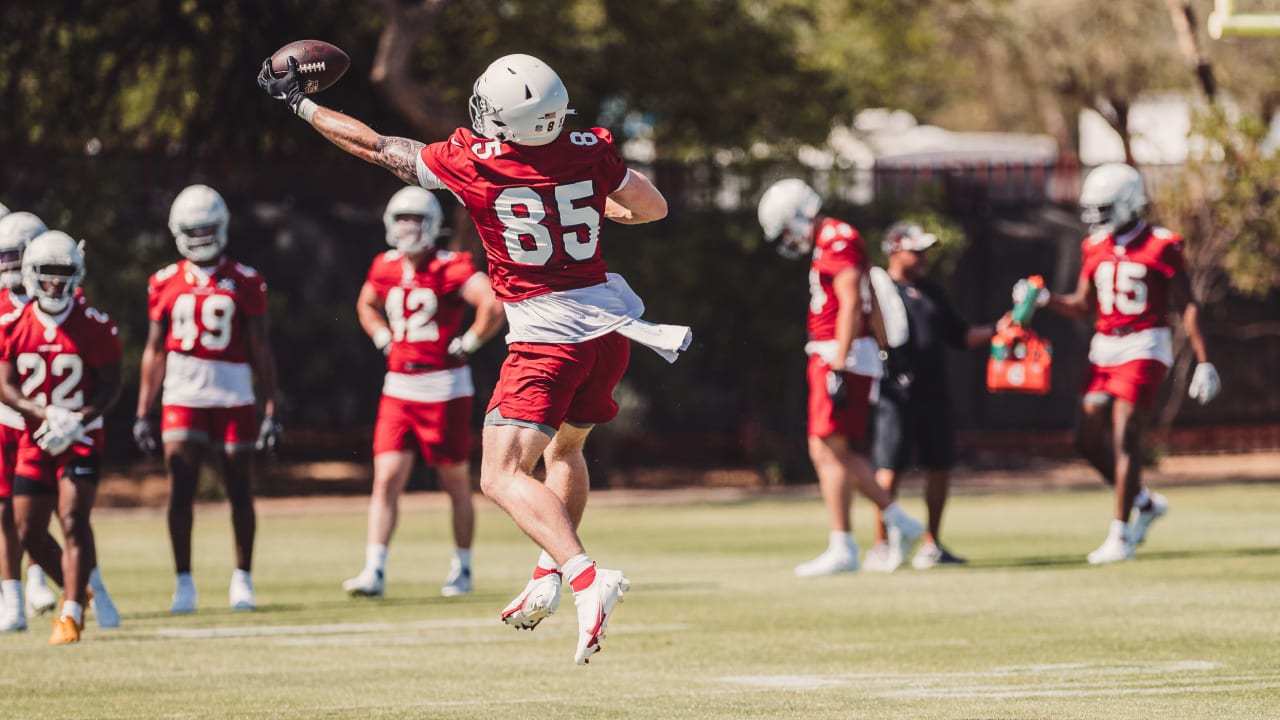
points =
(104, 608)
(932, 554)
(538, 601)
(369, 583)
(184, 597)
(241, 592)
(1142, 521)
(40, 599)
(458, 582)
(831, 562)
(882, 558)
(1114, 549)
(595, 607)
(14, 620)
(65, 631)
(904, 534)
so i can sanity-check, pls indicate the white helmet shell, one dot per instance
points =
(53, 249)
(17, 230)
(1112, 197)
(519, 99)
(199, 206)
(787, 211)
(3, 210)
(413, 200)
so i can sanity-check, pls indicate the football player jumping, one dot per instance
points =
(845, 365)
(207, 339)
(61, 370)
(411, 306)
(538, 196)
(1132, 274)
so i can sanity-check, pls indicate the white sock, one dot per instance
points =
(546, 562)
(35, 574)
(375, 556)
(575, 566)
(73, 610)
(242, 576)
(842, 541)
(12, 590)
(184, 579)
(462, 557)
(1119, 529)
(95, 581)
(893, 514)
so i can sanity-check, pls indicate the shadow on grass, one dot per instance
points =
(1043, 561)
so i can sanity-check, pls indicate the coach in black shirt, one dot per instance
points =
(914, 410)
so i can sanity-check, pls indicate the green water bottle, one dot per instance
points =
(1025, 310)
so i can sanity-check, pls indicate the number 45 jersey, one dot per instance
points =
(207, 364)
(538, 209)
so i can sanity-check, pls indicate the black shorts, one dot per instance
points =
(900, 425)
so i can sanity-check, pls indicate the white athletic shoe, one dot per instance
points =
(40, 599)
(830, 562)
(904, 534)
(14, 620)
(1142, 522)
(932, 555)
(882, 558)
(1113, 549)
(538, 601)
(369, 583)
(595, 607)
(241, 592)
(458, 582)
(184, 597)
(104, 608)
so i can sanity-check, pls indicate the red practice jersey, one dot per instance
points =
(424, 307)
(8, 304)
(206, 311)
(837, 247)
(1132, 283)
(59, 364)
(538, 209)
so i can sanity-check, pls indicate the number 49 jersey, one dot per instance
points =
(1132, 282)
(424, 307)
(538, 209)
(58, 362)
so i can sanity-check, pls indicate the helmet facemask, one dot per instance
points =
(198, 220)
(412, 220)
(52, 270)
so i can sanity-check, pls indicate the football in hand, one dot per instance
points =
(320, 63)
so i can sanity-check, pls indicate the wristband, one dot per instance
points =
(381, 338)
(306, 109)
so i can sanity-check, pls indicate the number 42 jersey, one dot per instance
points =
(206, 311)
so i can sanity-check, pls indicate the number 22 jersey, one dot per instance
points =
(207, 364)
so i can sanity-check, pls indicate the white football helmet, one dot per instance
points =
(198, 220)
(1112, 198)
(519, 99)
(787, 211)
(413, 200)
(17, 230)
(52, 270)
(3, 210)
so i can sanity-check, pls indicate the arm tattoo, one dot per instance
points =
(400, 156)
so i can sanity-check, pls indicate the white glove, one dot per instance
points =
(1022, 287)
(382, 339)
(1205, 384)
(465, 345)
(59, 431)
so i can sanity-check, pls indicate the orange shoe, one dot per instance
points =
(65, 631)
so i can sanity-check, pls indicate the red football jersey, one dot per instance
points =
(424, 307)
(7, 303)
(1131, 284)
(58, 364)
(538, 209)
(206, 312)
(837, 247)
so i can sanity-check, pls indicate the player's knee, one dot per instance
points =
(75, 523)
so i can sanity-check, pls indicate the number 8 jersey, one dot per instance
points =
(207, 364)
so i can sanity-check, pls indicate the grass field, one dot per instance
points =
(716, 626)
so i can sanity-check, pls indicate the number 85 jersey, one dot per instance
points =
(537, 208)
(207, 364)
